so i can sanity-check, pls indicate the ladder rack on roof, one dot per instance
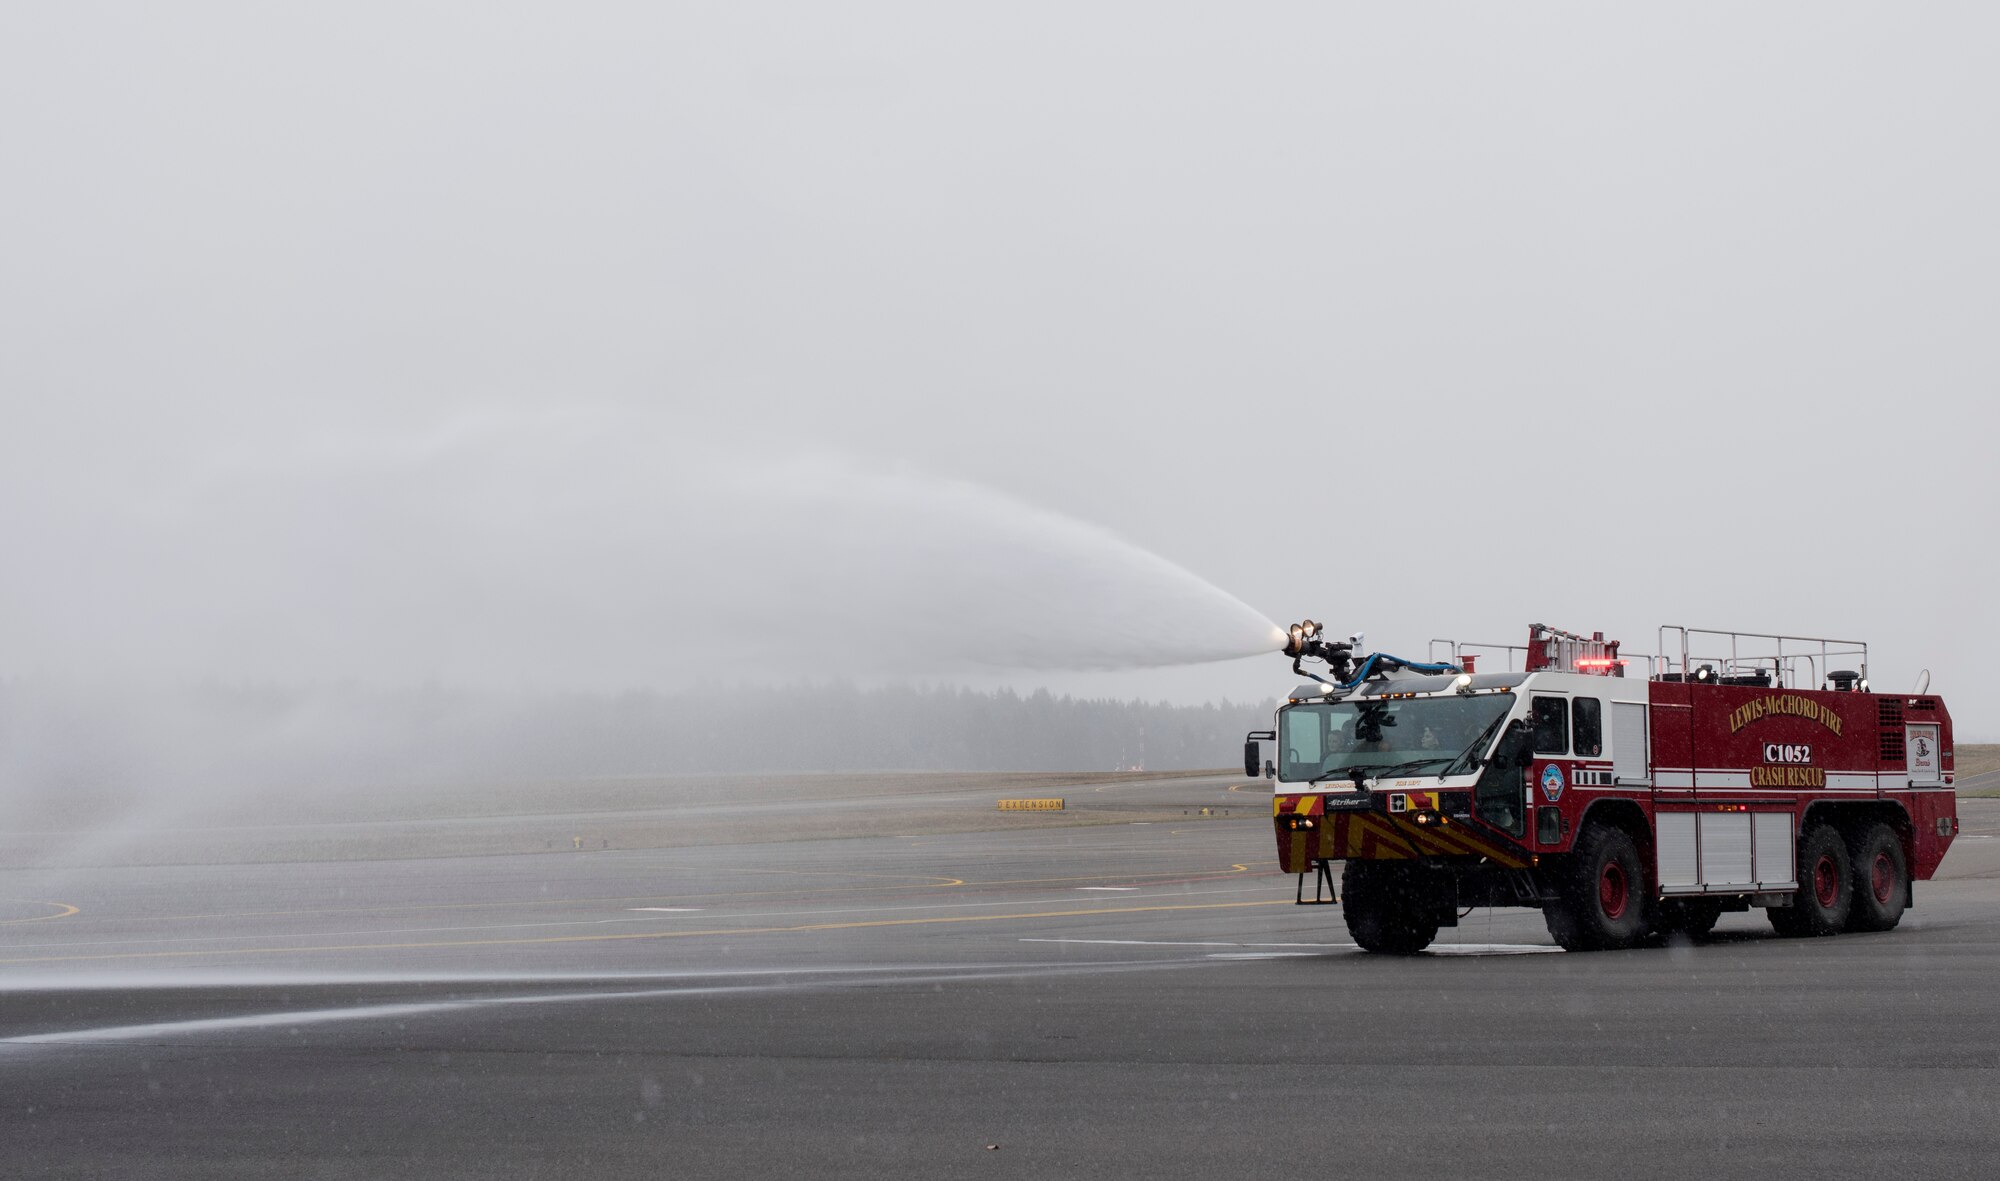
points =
(1558, 650)
(1724, 654)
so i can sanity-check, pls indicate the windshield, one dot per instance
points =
(1414, 734)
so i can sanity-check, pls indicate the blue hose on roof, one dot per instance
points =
(1367, 668)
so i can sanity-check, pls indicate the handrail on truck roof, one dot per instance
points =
(1459, 646)
(1784, 665)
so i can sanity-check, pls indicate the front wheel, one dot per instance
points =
(1389, 906)
(1602, 893)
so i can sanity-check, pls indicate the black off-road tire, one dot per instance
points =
(1603, 893)
(1881, 874)
(1389, 906)
(1826, 887)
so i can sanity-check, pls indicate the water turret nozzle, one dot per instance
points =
(1301, 637)
(1308, 639)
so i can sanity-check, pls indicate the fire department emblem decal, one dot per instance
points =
(1552, 782)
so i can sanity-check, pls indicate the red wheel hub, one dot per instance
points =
(1882, 876)
(1612, 890)
(1826, 881)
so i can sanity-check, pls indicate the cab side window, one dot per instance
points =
(1304, 751)
(1551, 725)
(1587, 738)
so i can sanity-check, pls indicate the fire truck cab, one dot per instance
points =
(1738, 770)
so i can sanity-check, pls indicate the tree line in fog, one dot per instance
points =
(56, 737)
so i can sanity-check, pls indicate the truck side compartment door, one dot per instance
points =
(1630, 764)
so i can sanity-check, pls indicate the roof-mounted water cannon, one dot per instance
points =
(1308, 639)
(1348, 667)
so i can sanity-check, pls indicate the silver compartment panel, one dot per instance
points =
(1725, 850)
(1771, 838)
(1678, 869)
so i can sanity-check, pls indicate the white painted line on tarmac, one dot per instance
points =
(293, 1020)
(1434, 949)
(1179, 943)
(665, 909)
(1107, 887)
(1256, 955)
(160, 1029)
(733, 916)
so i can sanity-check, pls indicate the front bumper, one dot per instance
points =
(1383, 825)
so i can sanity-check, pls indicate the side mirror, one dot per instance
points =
(1270, 769)
(1252, 758)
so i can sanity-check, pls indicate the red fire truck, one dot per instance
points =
(1736, 770)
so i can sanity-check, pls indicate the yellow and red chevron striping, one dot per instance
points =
(1371, 836)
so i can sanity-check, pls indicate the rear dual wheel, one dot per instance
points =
(1881, 879)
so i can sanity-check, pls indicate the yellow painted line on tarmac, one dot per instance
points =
(624, 937)
(1142, 878)
(1171, 875)
(921, 879)
(63, 911)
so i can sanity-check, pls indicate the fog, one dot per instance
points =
(639, 348)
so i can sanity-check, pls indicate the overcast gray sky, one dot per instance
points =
(565, 343)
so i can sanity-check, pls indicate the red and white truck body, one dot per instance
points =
(1622, 805)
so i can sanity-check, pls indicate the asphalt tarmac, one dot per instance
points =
(1112, 1001)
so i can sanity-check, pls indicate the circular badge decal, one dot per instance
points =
(1552, 782)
